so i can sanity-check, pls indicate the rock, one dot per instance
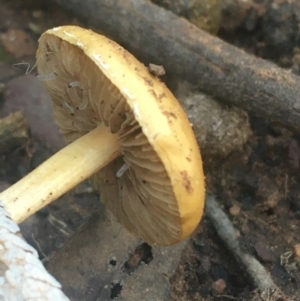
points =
(263, 252)
(235, 210)
(219, 286)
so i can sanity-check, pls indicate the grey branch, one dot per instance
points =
(22, 275)
(228, 234)
(155, 35)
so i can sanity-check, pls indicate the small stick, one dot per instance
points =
(228, 234)
(38, 246)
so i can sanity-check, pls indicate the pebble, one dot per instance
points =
(219, 286)
(235, 210)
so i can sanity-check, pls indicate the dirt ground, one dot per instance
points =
(258, 186)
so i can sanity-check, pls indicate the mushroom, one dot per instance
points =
(125, 130)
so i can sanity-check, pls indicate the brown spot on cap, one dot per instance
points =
(148, 81)
(169, 115)
(161, 96)
(186, 182)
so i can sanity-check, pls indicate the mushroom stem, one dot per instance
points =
(63, 171)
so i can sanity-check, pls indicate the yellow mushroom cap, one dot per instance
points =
(92, 81)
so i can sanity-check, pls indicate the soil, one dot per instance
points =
(257, 186)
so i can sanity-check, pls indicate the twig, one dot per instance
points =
(39, 247)
(157, 36)
(228, 234)
(22, 275)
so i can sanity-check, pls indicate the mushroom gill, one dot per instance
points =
(142, 198)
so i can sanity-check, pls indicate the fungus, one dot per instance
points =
(125, 131)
